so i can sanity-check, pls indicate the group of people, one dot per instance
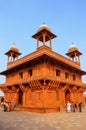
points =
(8, 106)
(73, 107)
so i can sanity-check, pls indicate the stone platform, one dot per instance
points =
(35, 121)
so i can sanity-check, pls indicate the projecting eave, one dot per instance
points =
(52, 35)
(69, 53)
(83, 72)
(6, 72)
(7, 53)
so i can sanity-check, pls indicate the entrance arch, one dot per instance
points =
(67, 95)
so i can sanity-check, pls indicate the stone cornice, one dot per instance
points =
(43, 77)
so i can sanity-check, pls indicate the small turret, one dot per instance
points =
(74, 53)
(13, 53)
(44, 35)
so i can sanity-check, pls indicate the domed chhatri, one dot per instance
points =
(14, 48)
(72, 48)
(74, 53)
(44, 35)
(43, 26)
(13, 53)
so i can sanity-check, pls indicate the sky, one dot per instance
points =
(20, 19)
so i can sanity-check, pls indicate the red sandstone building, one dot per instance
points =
(43, 81)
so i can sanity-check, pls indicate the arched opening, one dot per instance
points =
(2, 99)
(20, 97)
(67, 95)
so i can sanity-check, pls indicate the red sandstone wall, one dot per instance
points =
(42, 69)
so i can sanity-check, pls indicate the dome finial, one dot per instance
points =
(13, 45)
(72, 48)
(44, 23)
(43, 26)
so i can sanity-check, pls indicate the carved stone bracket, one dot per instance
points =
(23, 87)
(52, 85)
(35, 85)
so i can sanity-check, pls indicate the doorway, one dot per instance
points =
(20, 97)
(67, 95)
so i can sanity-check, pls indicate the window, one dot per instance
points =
(30, 72)
(21, 75)
(57, 72)
(74, 77)
(66, 75)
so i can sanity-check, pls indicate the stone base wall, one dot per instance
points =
(38, 109)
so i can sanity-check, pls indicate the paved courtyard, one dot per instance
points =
(35, 121)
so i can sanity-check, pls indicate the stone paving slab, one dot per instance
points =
(35, 121)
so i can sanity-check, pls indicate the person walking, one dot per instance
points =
(5, 106)
(68, 106)
(73, 106)
(80, 107)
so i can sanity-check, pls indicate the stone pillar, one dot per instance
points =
(62, 104)
(8, 59)
(17, 58)
(50, 43)
(62, 98)
(37, 43)
(75, 57)
(24, 98)
(79, 58)
(11, 57)
(16, 98)
(44, 38)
